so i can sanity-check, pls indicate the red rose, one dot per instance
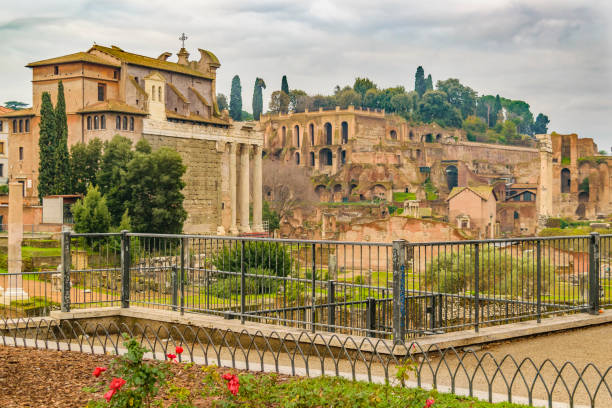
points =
(429, 402)
(227, 376)
(116, 384)
(172, 356)
(109, 394)
(98, 370)
(178, 350)
(233, 383)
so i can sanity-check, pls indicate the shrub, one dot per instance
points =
(272, 256)
(262, 284)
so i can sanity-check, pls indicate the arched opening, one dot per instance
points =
(153, 93)
(325, 157)
(411, 135)
(418, 153)
(328, 133)
(322, 193)
(102, 122)
(125, 123)
(118, 123)
(283, 136)
(378, 192)
(393, 135)
(438, 137)
(343, 157)
(312, 159)
(565, 181)
(159, 94)
(312, 134)
(452, 177)
(96, 123)
(338, 188)
(297, 158)
(583, 197)
(296, 130)
(581, 210)
(344, 133)
(429, 138)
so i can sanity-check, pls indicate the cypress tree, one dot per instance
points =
(236, 99)
(497, 107)
(419, 81)
(429, 83)
(46, 163)
(62, 158)
(284, 101)
(258, 98)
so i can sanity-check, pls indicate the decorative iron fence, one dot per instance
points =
(400, 290)
(465, 372)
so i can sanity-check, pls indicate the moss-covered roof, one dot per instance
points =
(213, 57)
(141, 60)
(196, 118)
(483, 192)
(17, 113)
(112, 106)
(178, 93)
(76, 57)
(139, 88)
(199, 96)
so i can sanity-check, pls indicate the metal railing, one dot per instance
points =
(486, 375)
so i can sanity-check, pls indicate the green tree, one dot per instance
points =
(155, 204)
(85, 164)
(459, 96)
(235, 107)
(299, 101)
(15, 105)
(258, 98)
(541, 124)
(603, 153)
(112, 175)
(284, 101)
(62, 157)
(222, 102)
(46, 146)
(273, 218)
(348, 97)
(434, 107)
(278, 100)
(91, 213)
(246, 116)
(285, 85)
(420, 85)
(509, 133)
(402, 103)
(497, 110)
(362, 85)
(475, 128)
(429, 83)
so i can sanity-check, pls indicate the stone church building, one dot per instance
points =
(110, 91)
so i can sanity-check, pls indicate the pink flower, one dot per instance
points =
(178, 350)
(98, 370)
(109, 394)
(429, 402)
(116, 384)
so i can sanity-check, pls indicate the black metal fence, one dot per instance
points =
(486, 375)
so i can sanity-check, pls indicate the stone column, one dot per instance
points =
(244, 189)
(257, 191)
(232, 181)
(15, 291)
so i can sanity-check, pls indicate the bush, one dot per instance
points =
(230, 286)
(271, 256)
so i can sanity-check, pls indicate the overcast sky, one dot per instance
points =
(554, 54)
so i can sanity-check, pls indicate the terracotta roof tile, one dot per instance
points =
(112, 106)
(483, 192)
(196, 118)
(76, 57)
(17, 113)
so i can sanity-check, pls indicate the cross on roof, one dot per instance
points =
(183, 37)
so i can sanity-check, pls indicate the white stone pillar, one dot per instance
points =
(15, 291)
(257, 191)
(232, 181)
(244, 189)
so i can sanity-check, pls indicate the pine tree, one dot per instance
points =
(429, 83)
(284, 88)
(258, 98)
(62, 158)
(46, 163)
(420, 86)
(236, 99)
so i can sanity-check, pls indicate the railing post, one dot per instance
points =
(242, 283)
(331, 309)
(432, 313)
(477, 286)
(184, 262)
(125, 269)
(371, 317)
(66, 261)
(399, 290)
(539, 281)
(594, 269)
(175, 285)
(313, 310)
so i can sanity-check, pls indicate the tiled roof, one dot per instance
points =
(112, 106)
(141, 60)
(76, 57)
(483, 192)
(5, 110)
(18, 113)
(196, 118)
(523, 185)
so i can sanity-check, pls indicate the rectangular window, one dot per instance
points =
(20, 153)
(1, 147)
(1, 126)
(27, 125)
(14, 125)
(101, 92)
(116, 74)
(1, 170)
(20, 125)
(56, 70)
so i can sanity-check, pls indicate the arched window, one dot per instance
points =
(297, 158)
(411, 135)
(428, 138)
(96, 123)
(312, 158)
(325, 157)
(125, 123)
(27, 125)
(284, 136)
(159, 94)
(118, 122)
(131, 124)
(418, 153)
(438, 137)
(565, 181)
(328, 133)
(393, 135)
(102, 122)
(296, 130)
(344, 133)
(15, 126)
(153, 93)
(89, 123)
(516, 215)
(343, 157)
(20, 125)
(312, 134)
(452, 177)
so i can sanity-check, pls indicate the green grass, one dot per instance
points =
(270, 390)
(29, 252)
(400, 197)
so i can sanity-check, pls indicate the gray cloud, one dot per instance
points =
(554, 54)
